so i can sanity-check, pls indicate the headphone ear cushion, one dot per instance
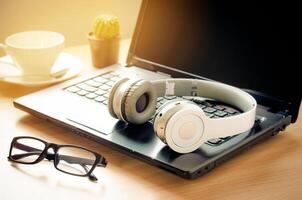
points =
(140, 102)
(112, 94)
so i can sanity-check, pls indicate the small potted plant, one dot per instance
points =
(104, 41)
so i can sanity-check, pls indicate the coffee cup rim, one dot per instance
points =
(60, 41)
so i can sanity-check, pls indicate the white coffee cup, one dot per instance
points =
(34, 52)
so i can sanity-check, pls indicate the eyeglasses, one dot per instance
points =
(70, 159)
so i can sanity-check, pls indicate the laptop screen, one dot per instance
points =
(248, 44)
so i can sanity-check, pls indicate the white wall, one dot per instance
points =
(73, 18)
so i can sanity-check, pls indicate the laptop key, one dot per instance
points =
(100, 99)
(220, 113)
(230, 110)
(209, 110)
(93, 83)
(105, 102)
(218, 107)
(105, 87)
(82, 92)
(162, 102)
(106, 95)
(108, 75)
(86, 87)
(201, 106)
(100, 92)
(110, 83)
(100, 79)
(209, 115)
(115, 78)
(208, 104)
(73, 89)
(198, 101)
(115, 74)
(159, 99)
(91, 95)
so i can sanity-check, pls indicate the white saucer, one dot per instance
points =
(11, 73)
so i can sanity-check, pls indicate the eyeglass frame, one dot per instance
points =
(100, 160)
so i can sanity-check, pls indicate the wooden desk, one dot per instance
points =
(271, 170)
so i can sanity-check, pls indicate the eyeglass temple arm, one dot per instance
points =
(69, 159)
(31, 150)
(91, 176)
(85, 161)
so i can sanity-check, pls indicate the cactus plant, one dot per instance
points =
(106, 27)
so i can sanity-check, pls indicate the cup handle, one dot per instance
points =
(3, 47)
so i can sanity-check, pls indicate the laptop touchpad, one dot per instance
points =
(99, 121)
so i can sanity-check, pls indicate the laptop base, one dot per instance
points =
(140, 141)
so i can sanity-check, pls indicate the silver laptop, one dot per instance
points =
(192, 39)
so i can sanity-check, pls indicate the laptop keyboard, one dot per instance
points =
(97, 89)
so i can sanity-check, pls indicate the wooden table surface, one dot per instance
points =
(270, 170)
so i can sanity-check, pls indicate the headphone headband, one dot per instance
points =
(208, 89)
(221, 127)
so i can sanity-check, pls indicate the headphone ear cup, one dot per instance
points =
(159, 114)
(139, 102)
(180, 125)
(112, 94)
(159, 118)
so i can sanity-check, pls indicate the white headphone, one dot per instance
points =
(181, 124)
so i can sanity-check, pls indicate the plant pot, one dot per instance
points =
(104, 52)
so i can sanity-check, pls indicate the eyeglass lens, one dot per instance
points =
(27, 150)
(75, 160)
